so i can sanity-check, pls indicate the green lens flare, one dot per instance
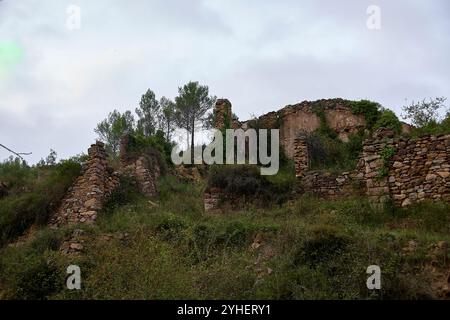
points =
(11, 54)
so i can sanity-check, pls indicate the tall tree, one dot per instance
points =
(192, 103)
(148, 113)
(114, 127)
(167, 117)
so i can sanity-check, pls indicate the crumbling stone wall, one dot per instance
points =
(98, 180)
(302, 117)
(418, 170)
(144, 167)
(223, 116)
(401, 170)
(328, 185)
(301, 156)
(212, 199)
(86, 197)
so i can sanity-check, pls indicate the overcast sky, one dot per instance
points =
(56, 84)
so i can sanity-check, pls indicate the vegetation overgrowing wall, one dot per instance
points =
(85, 198)
(407, 170)
(98, 181)
(402, 170)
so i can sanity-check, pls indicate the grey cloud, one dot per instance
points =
(261, 55)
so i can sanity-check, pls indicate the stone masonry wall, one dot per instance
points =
(398, 169)
(144, 168)
(85, 198)
(418, 170)
(223, 114)
(301, 156)
(328, 185)
(90, 191)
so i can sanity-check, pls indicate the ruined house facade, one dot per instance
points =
(391, 169)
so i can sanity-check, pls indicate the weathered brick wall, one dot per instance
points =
(418, 170)
(86, 197)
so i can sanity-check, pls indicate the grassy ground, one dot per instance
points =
(305, 249)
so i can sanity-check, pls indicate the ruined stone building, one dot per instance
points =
(391, 169)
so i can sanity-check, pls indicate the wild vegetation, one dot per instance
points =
(275, 247)
(305, 249)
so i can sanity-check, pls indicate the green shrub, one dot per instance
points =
(19, 211)
(171, 226)
(126, 192)
(325, 243)
(369, 109)
(246, 182)
(17, 175)
(39, 281)
(388, 119)
(328, 153)
(28, 275)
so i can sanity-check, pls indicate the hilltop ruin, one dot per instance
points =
(391, 169)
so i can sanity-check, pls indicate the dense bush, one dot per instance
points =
(369, 109)
(247, 183)
(333, 154)
(37, 199)
(314, 249)
(156, 146)
(388, 119)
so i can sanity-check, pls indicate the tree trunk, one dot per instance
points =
(192, 142)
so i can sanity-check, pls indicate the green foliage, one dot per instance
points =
(424, 113)
(37, 199)
(315, 249)
(388, 119)
(167, 117)
(114, 127)
(247, 183)
(148, 113)
(156, 145)
(16, 174)
(369, 109)
(324, 129)
(331, 153)
(192, 104)
(326, 243)
(386, 155)
(433, 128)
(29, 273)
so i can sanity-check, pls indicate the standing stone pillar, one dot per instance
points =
(301, 155)
(223, 117)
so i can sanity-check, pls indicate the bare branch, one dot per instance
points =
(19, 154)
